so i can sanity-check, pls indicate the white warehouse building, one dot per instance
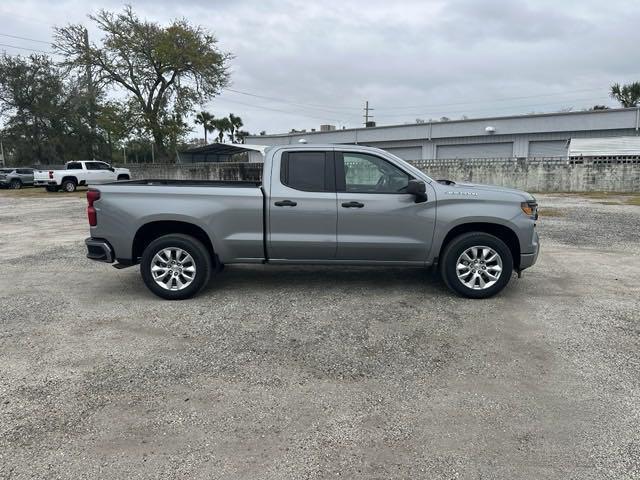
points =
(610, 133)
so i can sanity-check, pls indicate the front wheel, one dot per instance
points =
(175, 267)
(52, 188)
(476, 265)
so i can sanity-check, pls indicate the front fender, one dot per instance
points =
(452, 213)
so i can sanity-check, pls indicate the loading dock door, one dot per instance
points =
(476, 150)
(548, 148)
(406, 153)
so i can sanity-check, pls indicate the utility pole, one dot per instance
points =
(91, 94)
(153, 154)
(367, 117)
(4, 163)
(124, 154)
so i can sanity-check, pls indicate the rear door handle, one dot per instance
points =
(285, 203)
(353, 205)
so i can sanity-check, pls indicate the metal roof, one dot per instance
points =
(226, 149)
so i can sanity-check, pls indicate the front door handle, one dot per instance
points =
(353, 205)
(285, 203)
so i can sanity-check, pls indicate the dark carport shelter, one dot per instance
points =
(222, 152)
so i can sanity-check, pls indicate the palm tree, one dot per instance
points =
(627, 95)
(206, 120)
(241, 135)
(223, 125)
(236, 125)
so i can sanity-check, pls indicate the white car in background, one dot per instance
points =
(83, 172)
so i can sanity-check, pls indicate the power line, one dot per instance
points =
(503, 99)
(24, 38)
(408, 107)
(305, 105)
(289, 112)
(489, 109)
(29, 49)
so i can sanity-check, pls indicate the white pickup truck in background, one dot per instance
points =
(83, 172)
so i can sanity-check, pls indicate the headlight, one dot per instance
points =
(530, 209)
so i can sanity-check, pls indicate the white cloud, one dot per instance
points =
(467, 54)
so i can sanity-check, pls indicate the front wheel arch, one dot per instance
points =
(506, 234)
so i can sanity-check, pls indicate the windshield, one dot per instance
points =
(6, 170)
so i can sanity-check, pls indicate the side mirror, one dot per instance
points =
(419, 189)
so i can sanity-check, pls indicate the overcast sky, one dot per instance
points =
(317, 62)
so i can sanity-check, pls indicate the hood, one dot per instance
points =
(462, 188)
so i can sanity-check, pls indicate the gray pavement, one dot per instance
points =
(312, 372)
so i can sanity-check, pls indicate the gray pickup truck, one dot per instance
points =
(316, 204)
(16, 178)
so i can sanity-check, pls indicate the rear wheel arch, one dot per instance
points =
(69, 177)
(504, 233)
(149, 232)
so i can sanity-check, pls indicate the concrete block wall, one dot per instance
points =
(530, 176)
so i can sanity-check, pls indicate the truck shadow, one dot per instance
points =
(299, 278)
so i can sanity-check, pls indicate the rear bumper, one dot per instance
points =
(99, 250)
(528, 259)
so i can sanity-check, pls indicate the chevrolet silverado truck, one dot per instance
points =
(83, 172)
(316, 204)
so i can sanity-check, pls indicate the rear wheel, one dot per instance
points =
(123, 177)
(175, 267)
(476, 265)
(15, 184)
(69, 185)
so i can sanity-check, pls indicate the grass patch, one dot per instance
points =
(608, 198)
(39, 192)
(550, 212)
(633, 200)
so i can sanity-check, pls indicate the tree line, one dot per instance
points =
(131, 92)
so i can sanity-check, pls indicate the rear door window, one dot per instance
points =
(93, 166)
(308, 171)
(74, 166)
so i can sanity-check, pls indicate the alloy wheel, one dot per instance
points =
(173, 268)
(479, 267)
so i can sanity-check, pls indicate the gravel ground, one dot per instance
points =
(283, 372)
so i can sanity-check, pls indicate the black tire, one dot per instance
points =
(456, 247)
(201, 259)
(123, 178)
(69, 185)
(15, 184)
(52, 188)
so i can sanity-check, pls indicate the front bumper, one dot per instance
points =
(528, 259)
(99, 250)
